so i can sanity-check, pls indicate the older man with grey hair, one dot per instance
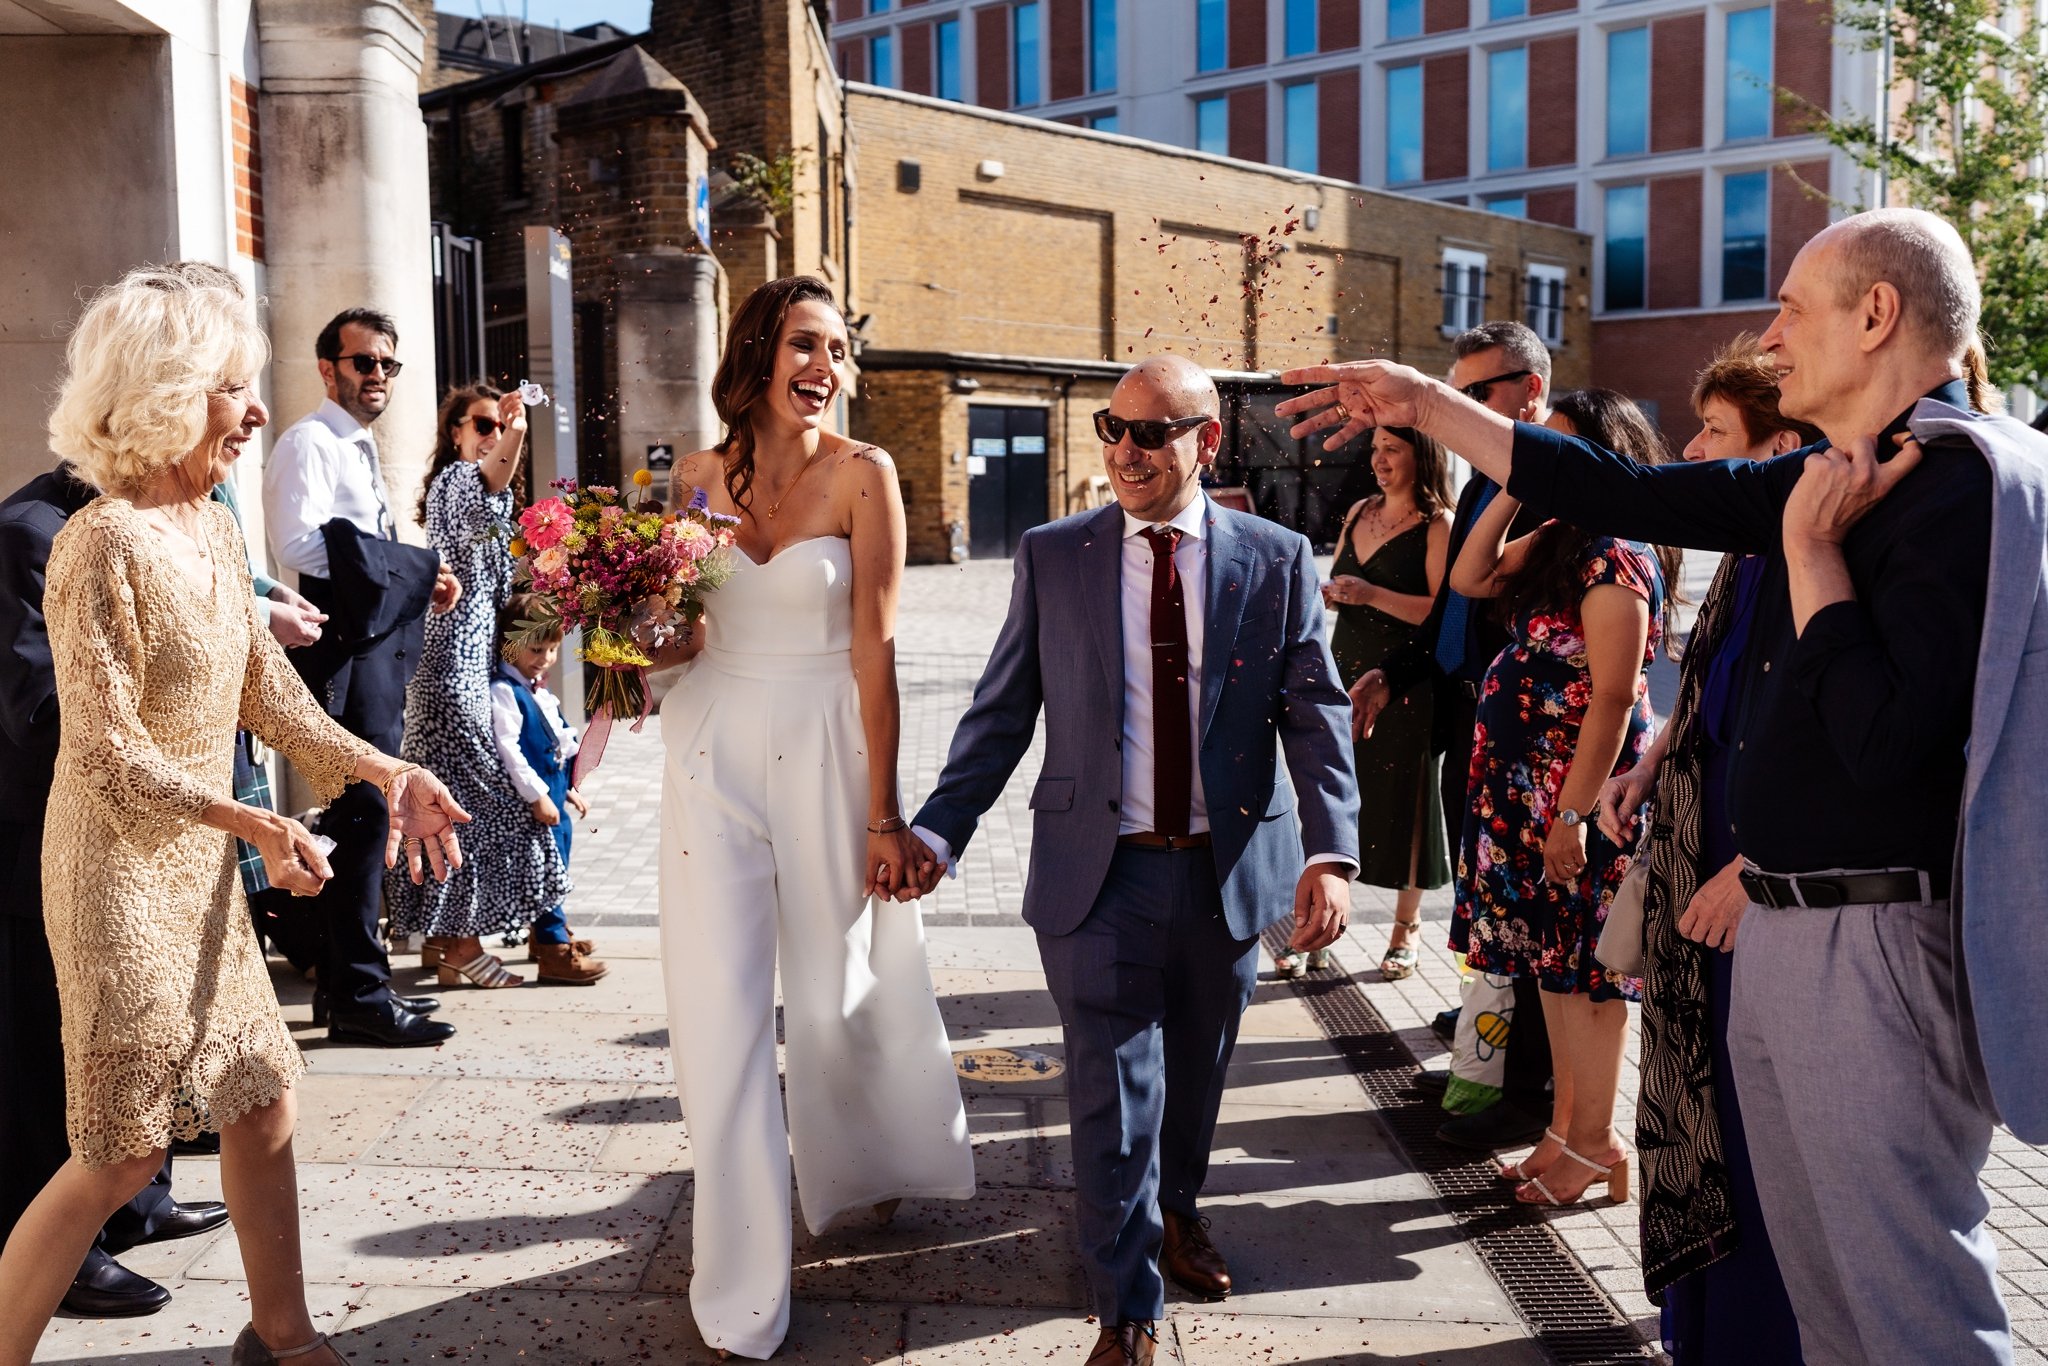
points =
(1872, 718)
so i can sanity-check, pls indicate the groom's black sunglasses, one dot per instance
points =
(1145, 435)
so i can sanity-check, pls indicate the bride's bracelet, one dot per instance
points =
(889, 826)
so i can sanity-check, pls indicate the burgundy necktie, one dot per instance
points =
(1172, 759)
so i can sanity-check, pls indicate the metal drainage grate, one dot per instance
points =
(1575, 1323)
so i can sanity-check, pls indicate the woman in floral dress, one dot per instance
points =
(1562, 709)
(513, 872)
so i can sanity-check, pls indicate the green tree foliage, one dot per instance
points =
(1968, 139)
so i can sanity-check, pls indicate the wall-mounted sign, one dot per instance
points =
(700, 212)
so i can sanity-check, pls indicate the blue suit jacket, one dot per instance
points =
(1268, 687)
(2001, 857)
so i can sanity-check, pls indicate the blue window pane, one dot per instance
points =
(1301, 27)
(1497, 10)
(1749, 74)
(947, 58)
(1211, 51)
(1103, 123)
(1628, 92)
(1101, 46)
(882, 60)
(1627, 234)
(1212, 126)
(1404, 18)
(1299, 112)
(1507, 109)
(1024, 47)
(880, 6)
(1745, 235)
(1404, 124)
(1509, 206)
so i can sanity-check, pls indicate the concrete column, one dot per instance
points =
(667, 337)
(347, 211)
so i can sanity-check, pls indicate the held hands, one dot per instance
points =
(1716, 909)
(1838, 487)
(293, 620)
(1564, 853)
(1621, 797)
(1348, 590)
(423, 818)
(1322, 906)
(1369, 697)
(899, 866)
(544, 811)
(1356, 397)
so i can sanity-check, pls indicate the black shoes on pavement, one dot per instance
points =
(185, 1221)
(104, 1289)
(388, 1024)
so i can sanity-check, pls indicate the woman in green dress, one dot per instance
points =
(1390, 560)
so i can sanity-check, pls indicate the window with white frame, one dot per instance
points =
(1543, 303)
(1464, 290)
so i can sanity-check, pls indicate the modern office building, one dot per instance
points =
(1658, 126)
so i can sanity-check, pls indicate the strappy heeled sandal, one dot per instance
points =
(1400, 963)
(251, 1351)
(431, 950)
(1516, 1173)
(481, 971)
(1290, 964)
(1615, 1176)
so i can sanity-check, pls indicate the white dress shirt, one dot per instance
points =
(507, 720)
(323, 467)
(1191, 559)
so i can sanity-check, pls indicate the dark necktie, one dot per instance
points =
(1172, 746)
(1450, 639)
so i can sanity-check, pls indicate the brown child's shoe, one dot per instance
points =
(582, 946)
(562, 965)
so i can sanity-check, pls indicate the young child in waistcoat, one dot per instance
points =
(536, 745)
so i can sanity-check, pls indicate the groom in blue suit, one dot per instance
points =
(1177, 651)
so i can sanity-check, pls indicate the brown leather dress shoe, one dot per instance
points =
(1190, 1260)
(1130, 1343)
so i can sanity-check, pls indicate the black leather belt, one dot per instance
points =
(1145, 839)
(1825, 891)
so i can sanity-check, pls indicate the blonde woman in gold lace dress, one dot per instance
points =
(170, 1024)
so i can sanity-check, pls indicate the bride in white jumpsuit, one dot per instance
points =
(768, 804)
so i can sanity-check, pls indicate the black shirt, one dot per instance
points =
(1848, 739)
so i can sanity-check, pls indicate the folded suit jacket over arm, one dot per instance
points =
(1269, 688)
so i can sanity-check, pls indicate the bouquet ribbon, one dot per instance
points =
(591, 753)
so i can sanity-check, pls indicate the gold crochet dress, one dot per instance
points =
(170, 1023)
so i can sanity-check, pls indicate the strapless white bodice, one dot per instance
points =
(798, 603)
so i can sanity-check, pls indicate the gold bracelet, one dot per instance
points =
(385, 787)
(888, 825)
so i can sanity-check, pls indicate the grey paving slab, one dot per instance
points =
(1232, 1339)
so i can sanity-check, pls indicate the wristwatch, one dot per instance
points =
(1570, 817)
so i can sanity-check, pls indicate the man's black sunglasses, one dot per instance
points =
(367, 365)
(1478, 389)
(1145, 435)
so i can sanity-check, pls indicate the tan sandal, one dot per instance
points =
(480, 971)
(1518, 1172)
(1615, 1176)
(250, 1350)
(432, 948)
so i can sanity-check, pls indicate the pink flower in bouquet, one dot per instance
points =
(695, 540)
(550, 562)
(546, 523)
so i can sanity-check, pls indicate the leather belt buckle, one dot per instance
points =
(1759, 888)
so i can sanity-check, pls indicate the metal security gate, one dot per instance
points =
(458, 309)
(1006, 474)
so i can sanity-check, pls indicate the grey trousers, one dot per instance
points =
(1864, 1133)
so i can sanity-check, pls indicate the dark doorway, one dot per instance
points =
(1006, 491)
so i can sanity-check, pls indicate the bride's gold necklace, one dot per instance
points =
(790, 488)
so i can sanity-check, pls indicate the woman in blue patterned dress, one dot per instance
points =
(1562, 709)
(511, 870)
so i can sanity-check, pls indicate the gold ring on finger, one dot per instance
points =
(1343, 413)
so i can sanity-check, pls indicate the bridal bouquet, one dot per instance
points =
(630, 577)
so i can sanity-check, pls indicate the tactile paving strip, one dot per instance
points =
(1570, 1317)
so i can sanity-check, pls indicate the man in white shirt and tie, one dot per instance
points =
(1176, 650)
(323, 492)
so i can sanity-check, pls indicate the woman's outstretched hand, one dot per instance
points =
(424, 815)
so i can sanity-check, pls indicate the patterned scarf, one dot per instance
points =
(1688, 1219)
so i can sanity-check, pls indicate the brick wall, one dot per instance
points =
(1797, 212)
(904, 413)
(1675, 241)
(720, 50)
(248, 159)
(1802, 60)
(992, 57)
(1553, 100)
(917, 57)
(1066, 48)
(1677, 96)
(853, 59)
(1337, 25)
(1247, 32)
(1441, 16)
(1654, 360)
(1248, 122)
(1552, 6)
(1558, 204)
(1337, 124)
(1446, 109)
